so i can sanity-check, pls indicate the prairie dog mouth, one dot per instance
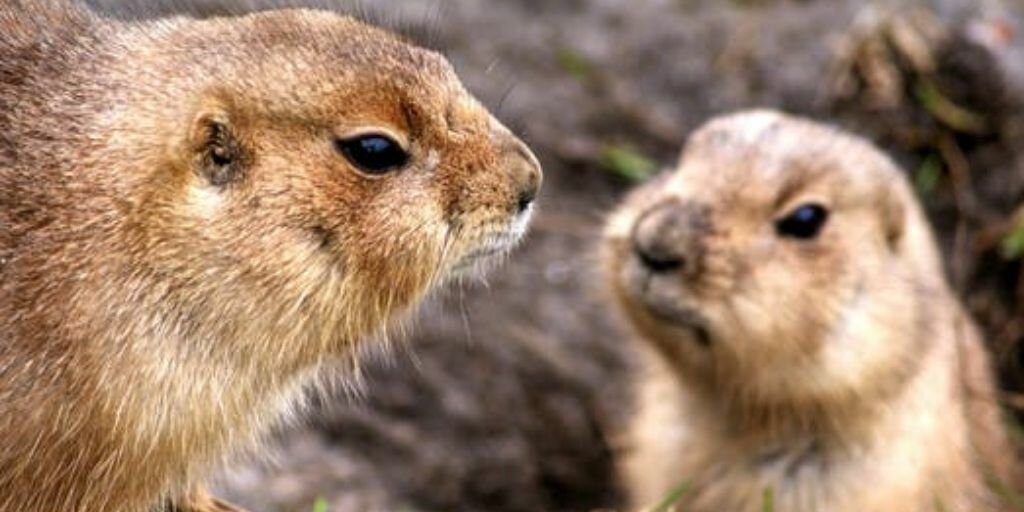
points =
(495, 245)
(684, 318)
(480, 260)
(480, 255)
(664, 299)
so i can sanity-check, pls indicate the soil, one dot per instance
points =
(508, 395)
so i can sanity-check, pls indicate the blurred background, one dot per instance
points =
(509, 395)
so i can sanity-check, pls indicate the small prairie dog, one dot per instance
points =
(799, 339)
(197, 215)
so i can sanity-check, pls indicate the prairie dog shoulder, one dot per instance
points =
(799, 332)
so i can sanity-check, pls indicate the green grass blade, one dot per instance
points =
(320, 505)
(768, 500)
(673, 497)
(627, 163)
(946, 111)
(1012, 246)
(927, 177)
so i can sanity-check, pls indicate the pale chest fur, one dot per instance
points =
(915, 454)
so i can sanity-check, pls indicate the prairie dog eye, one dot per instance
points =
(373, 153)
(803, 223)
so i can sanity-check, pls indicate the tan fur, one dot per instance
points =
(840, 372)
(160, 309)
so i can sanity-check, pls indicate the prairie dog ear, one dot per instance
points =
(218, 154)
(894, 214)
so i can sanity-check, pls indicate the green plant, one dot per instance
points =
(768, 500)
(927, 177)
(673, 497)
(574, 63)
(627, 163)
(320, 505)
(946, 111)
(1012, 246)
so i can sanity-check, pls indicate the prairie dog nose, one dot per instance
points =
(526, 173)
(520, 164)
(666, 238)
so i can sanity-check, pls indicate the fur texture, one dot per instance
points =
(837, 371)
(182, 245)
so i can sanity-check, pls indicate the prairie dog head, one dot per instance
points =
(315, 169)
(781, 263)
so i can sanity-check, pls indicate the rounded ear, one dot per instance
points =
(894, 213)
(218, 154)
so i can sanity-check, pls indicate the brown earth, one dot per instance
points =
(507, 396)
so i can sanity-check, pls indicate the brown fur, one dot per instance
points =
(840, 371)
(182, 246)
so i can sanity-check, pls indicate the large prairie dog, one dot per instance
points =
(799, 337)
(196, 215)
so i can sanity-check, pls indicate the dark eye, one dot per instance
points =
(373, 153)
(804, 223)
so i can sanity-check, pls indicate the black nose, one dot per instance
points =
(658, 260)
(526, 174)
(666, 237)
(526, 197)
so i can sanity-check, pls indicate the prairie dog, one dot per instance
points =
(798, 335)
(197, 215)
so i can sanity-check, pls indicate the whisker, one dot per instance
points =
(464, 313)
